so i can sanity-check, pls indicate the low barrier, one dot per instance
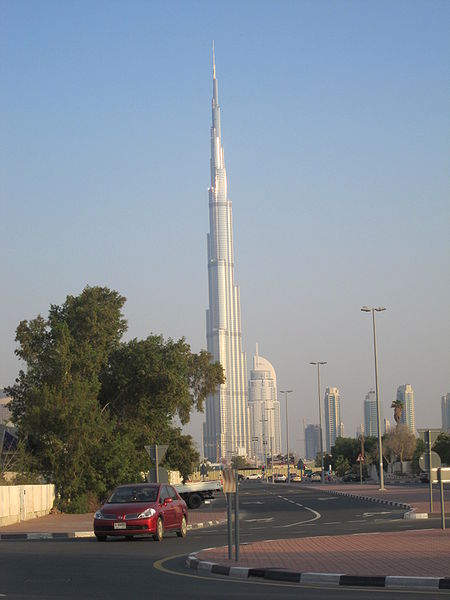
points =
(21, 502)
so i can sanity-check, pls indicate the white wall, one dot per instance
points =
(22, 502)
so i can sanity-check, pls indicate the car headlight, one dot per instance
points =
(149, 512)
(99, 515)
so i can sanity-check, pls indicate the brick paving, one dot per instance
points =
(421, 553)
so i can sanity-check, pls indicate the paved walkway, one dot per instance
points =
(71, 524)
(421, 553)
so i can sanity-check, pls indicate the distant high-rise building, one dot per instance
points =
(333, 423)
(226, 429)
(405, 394)
(312, 441)
(445, 407)
(5, 413)
(265, 423)
(370, 414)
(387, 426)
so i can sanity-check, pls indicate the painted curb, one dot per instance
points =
(334, 579)
(82, 534)
(408, 515)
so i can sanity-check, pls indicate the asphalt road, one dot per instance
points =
(84, 568)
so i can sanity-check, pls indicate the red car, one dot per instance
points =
(141, 509)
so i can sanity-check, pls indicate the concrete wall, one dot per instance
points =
(22, 502)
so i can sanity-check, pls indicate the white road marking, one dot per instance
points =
(328, 498)
(316, 514)
(373, 514)
(257, 502)
(267, 520)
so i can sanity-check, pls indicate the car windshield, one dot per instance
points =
(134, 494)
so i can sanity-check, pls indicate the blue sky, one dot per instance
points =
(335, 129)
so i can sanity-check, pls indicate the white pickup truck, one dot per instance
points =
(195, 492)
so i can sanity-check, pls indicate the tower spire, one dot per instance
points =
(214, 61)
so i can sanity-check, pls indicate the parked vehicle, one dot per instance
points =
(196, 492)
(279, 478)
(316, 477)
(424, 478)
(254, 476)
(351, 478)
(295, 477)
(141, 509)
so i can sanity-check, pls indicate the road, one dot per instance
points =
(84, 568)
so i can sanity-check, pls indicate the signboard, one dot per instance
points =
(425, 434)
(424, 461)
(444, 475)
(229, 482)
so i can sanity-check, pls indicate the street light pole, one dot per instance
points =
(377, 395)
(286, 392)
(320, 418)
(270, 421)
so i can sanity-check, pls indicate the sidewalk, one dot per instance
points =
(416, 497)
(406, 560)
(67, 525)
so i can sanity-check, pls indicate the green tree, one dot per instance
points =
(54, 401)
(87, 404)
(442, 447)
(147, 385)
(238, 462)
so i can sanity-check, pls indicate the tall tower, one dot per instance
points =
(226, 429)
(265, 422)
(312, 441)
(405, 394)
(445, 408)
(333, 423)
(370, 414)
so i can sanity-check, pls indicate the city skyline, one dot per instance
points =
(335, 125)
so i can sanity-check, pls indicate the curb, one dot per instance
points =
(83, 534)
(408, 515)
(334, 579)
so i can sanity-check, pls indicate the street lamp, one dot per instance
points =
(286, 392)
(377, 396)
(320, 417)
(271, 438)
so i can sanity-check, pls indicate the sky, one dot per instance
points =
(335, 126)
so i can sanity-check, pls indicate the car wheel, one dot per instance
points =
(101, 538)
(183, 529)
(159, 533)
(194, 501)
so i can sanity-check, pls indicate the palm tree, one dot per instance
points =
(397, 405)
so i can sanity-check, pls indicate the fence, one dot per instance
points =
(22, 502)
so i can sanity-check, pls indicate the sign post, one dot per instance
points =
(430, 462)
(443, 475)
(229, 488)
(157, 453)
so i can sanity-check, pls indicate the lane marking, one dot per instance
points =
(316, 514)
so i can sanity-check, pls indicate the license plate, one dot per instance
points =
(120, 525)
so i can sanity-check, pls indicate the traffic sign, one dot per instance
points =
(229, 482)
(429, 435)
(424, 461)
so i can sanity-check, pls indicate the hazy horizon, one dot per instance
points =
(335, 127)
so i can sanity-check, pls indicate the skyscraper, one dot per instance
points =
(312, 441)
(445, 407)
(370, 414)
(405, 394)
(333, 423)
(226, 429)
(265, 423)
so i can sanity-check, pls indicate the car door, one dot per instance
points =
(177, 504)
(167, 508)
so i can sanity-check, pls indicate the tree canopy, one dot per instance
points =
(87, 403)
